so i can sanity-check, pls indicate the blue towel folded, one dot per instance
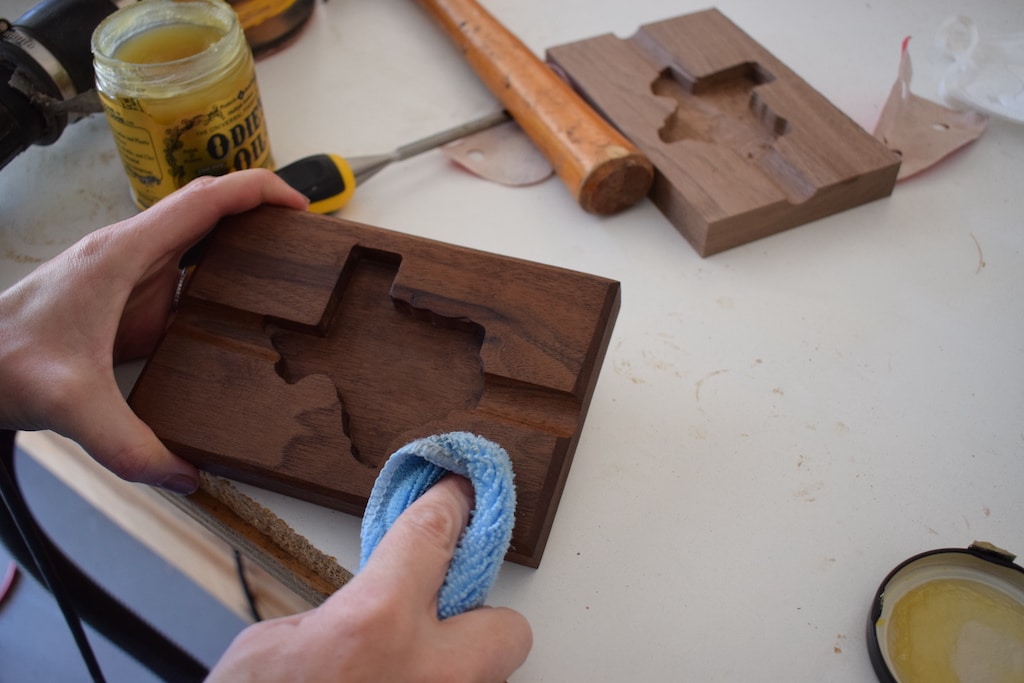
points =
(417, 466)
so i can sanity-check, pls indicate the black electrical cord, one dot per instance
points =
(246, 590)
(30, 536)
(89, 601)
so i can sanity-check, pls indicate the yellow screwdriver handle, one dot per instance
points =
(326, 179)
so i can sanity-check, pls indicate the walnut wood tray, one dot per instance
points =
(742, 146)
(306, 349)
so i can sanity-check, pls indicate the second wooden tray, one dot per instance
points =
(742, 146)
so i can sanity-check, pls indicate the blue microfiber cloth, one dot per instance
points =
(417, 466)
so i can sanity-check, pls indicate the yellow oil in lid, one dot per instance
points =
(950, 616)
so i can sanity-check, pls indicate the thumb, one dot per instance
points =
(114, 436)
(423, 536)
(492, 641)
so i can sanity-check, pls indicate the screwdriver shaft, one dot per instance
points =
(444, 137)
(366, 167)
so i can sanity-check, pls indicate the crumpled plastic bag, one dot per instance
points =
(986, 75)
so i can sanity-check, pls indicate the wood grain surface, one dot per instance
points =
(742, 146)
(308, 348)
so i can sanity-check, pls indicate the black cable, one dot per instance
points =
(249, 597)
(105, 613)
(30, 535)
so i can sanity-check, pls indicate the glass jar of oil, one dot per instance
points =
(177, 82)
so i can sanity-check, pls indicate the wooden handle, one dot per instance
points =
(602, 169)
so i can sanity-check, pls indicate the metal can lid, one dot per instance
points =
(271, 24)
(951, 614)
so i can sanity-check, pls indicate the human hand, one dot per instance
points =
(104, 300)
(383, 625)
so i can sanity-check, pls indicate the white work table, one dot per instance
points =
(774, 427)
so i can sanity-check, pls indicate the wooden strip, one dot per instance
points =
(149, 516)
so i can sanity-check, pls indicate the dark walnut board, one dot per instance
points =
(742, 146)
(307, 349)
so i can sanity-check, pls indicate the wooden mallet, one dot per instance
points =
(602, 169)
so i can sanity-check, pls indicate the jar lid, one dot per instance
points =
(950, 615)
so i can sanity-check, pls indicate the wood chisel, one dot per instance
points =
(329, 180)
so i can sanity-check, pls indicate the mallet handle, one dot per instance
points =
(602, 169)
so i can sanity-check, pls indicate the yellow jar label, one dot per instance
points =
(162, 153)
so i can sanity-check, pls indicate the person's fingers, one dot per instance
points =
(145, 316)
(186, 215)
(145, 250)
(239, 191)
(490, 643)
(103, 424)
(413, 556)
